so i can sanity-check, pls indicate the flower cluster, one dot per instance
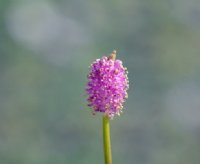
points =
(107, 86)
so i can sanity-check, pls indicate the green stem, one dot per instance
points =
(106, 140)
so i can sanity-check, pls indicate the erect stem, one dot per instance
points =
(106, 128)
(106, 139)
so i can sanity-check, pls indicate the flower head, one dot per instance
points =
(107, 85)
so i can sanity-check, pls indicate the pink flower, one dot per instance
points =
(107, 86)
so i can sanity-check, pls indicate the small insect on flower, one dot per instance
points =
(107, 85)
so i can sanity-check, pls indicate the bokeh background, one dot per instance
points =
(46, 47)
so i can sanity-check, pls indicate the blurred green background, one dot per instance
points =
(46, 47)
